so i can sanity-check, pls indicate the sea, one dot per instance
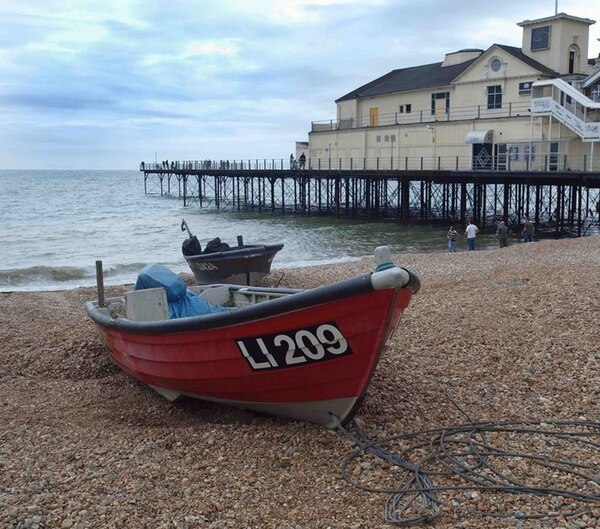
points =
(54, 226)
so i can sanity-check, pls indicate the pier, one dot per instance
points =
(407, 191)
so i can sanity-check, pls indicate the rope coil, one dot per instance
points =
(468, 461)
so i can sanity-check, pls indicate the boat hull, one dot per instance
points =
(239, 266)
(319, 411)
(308, 356)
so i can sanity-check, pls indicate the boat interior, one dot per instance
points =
(151, 304)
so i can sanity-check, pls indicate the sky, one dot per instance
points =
(88, 84)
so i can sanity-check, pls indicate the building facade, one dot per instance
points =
(504, 108)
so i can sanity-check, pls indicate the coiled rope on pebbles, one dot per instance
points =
(484, 468)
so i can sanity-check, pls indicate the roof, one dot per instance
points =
(591, 79)
(431, 75)
(554, 17)
(518, 53)
(412, 78)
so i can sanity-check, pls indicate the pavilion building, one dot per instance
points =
(536, 107)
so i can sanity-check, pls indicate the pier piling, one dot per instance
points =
(562, 202)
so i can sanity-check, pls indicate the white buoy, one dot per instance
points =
(383, 258)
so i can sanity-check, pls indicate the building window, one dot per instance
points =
(596, 93)
(378, 139)
(494, 97)
(525, 88)
(387, 138)
(401, 109)
(408, 109)
(565, 99)
(528, 152)
(495, 64)
(540, 38)
(440, 103)
(521, 153)
(573, 59)
(393, 138)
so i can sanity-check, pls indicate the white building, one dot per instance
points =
(505, 108)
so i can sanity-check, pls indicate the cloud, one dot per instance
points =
(228, 79)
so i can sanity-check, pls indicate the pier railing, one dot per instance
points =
(524, 159)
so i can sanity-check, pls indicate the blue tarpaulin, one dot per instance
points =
(182, 302)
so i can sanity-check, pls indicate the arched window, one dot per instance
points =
(573, 58)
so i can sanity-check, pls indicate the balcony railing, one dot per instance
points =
(552, 162)
(572, 108)
(508, 110)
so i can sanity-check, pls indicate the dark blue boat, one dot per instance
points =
(220, 263)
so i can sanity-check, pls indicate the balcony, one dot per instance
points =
(509, 109)
(557, 98)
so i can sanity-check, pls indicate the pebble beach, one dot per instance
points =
(507, 334)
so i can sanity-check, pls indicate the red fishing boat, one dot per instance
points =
(303, 354)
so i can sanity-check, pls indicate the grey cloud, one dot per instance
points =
(255, 102)
(51, 101)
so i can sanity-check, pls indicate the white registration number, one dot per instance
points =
(294, 347)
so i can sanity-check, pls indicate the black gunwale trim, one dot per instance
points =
(296, 301)
(414, 283)
(300, 300)
(236, 253)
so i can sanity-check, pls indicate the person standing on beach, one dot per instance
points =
(471, 233)
(528, 230)
(452, 237)
(502, 234)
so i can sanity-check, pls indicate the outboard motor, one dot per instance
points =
(215, 245)
(191, 246)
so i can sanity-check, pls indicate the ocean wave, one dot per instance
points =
(41, 274)
(120, 270)
(66, 277)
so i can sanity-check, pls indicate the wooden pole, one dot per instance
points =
(100, 283)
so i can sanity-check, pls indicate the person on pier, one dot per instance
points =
(302, 160)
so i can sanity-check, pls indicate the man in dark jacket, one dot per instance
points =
(302, 160)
